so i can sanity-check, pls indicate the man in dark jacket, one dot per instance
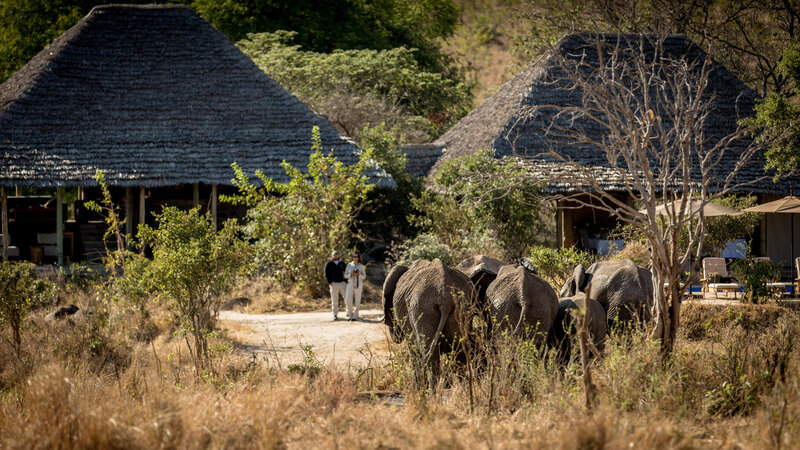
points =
(334, 274)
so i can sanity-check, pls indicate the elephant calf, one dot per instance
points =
(624, 289)
(566, 324)
(523, 302)
(419, 302)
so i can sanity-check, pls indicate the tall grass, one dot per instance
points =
(93, 383)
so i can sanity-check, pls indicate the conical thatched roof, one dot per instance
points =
(153, 96)
(503, 123)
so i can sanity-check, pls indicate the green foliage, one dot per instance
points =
(484, 195)
(395, 203)
(424, 246)
(295, 226)
(193, 265)
(777, 124)
(754, 274)
(362, 88)
(19, 290)
(555, 265)
(342, 24)
(722, 229)
(108, 210)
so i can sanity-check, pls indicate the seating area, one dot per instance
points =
(717, 281)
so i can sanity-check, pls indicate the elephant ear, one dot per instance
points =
(579, 277)
(389, 286)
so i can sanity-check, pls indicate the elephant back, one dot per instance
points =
(622, 289)
(387, 294)
(516, 289)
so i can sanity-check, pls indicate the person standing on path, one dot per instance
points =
(355, 273)
(334, 274)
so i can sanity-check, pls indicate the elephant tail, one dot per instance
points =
(435, 341)
(522, 315)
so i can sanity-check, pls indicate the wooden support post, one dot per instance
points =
(142, 217)
(559, 225)
(196, 195)
(214, 204)
(60, 225)
(128, 214)
(81, 194)
(18, 191)
(6, 236)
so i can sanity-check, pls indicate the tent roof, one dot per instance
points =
(153, 96)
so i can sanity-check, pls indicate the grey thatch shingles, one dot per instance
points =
(153, 96)
(420, 158)
(500, 123)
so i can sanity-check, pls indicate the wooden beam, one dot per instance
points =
(17, 191)
(128, 215)
(195, 195)
(60, 225)
(142, 217)
(6, 236)
(214, 204)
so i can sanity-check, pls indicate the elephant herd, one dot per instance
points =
(420, 300)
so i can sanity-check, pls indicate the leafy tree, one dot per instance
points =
(342, 24)
(193, 265)
(363, 88)
(487, 195)
(555, 265)
(778, 118)
(395, 203)
(19, 290)
(295, 225)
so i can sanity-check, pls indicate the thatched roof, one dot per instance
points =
(503, 122)
(153, 96)
(420, 158)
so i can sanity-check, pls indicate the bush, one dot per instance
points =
(19, 291)
(193, 265)
(472, 209)
(555, 265)
(295, 226)
(424, 246)
(754, 274)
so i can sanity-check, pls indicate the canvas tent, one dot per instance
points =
(504, 123)
(153, 96)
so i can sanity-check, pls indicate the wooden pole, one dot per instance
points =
(128, 213)
(17, 191)
(196, 195)
(6, 237)
(214, 204)
(141, 206)
(60, 225)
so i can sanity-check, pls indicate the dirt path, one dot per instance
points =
(281, 337)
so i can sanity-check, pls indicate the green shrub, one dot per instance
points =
(555, 265)
(19, 290)
(193, 266)
(754, 274)
(424, 246)
(295, 226)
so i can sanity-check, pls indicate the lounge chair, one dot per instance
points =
(797, 280)
(716, 266)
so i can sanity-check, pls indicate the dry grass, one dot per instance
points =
(95, 384)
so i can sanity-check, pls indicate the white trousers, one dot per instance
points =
(337, 289)
(353, 294)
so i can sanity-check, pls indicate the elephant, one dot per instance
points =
(519, 298)
(566, 324)
(622, 288)
(419, 302)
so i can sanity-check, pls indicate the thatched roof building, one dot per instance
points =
(420, 158)
(153, 96)
(501, 125)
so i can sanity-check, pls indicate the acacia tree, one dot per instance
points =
(647, 113)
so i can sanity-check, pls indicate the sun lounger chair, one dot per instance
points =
(716, 267)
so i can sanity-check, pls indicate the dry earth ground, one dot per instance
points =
(282, 338)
